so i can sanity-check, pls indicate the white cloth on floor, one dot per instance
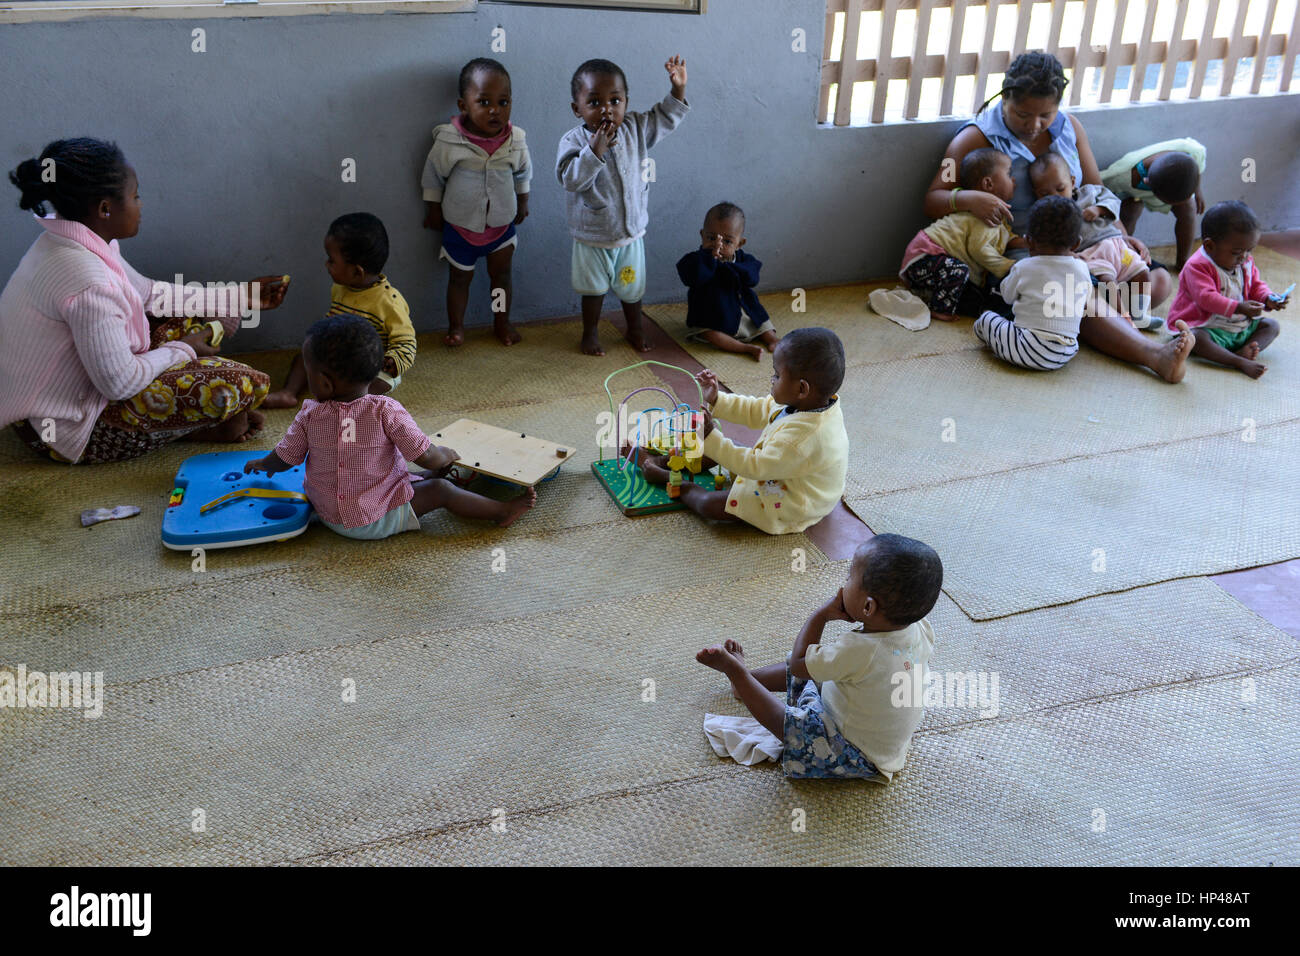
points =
(901, 306)
(743, 739)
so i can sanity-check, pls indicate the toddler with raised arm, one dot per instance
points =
(604, 168)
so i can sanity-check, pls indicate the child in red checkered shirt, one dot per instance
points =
(357, 445)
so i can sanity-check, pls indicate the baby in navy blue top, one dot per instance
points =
(722, 307)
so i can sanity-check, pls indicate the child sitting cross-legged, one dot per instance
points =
(841, 716)
(357, 445)
(794, 475)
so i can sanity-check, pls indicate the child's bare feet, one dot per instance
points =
(1171, 364)
(653, 466)
(591, 344)
(720, 659)
(505, 332)
(733, 648)
(455, 336)
(1250, 351)
(636, 338)
(280, 399)
(1253, 369)
(755, 352)
(517, 506)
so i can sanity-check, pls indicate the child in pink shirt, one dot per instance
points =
(1221, 295)
(357, 445)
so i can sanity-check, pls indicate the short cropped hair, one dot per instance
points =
(903, 575)
(1055, 221)
(347, 346)
(979, 163)
(594, 68)
(1174, 177)
(725, 212)
(479, 64)
(362, 240)
(1045, 162)
(1225, 219)
(815, 355)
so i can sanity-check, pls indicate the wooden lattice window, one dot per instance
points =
(945, 57)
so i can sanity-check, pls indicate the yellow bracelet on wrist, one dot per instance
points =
(218, 333)
(952, 198)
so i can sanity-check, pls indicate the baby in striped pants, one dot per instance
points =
(1048, 292)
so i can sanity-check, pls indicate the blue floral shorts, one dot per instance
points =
(813, 745)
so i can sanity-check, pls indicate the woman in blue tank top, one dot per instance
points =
(1025, 123)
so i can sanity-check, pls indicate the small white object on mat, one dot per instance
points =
(743, 739)
(899, 305)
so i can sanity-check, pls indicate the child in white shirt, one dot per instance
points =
(839, 718)
(1048, 292)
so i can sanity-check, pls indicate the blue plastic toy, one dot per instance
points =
(1285, 294)
(213, 504)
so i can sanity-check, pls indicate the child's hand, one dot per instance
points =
(708, 424)
(1138, 246)
(676, 68)
(257, 464)
(199, 341)
(390, 366)
(1273, 303)
(1091, 213)
(708, 380)
(271, 291)
(433, 215)
(834, 609)
(604, 137)
(522, 202)
(1250, 308)
(1018, 242)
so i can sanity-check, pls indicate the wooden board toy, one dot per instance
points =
(499, 453)
(213, 504)
(674, 431)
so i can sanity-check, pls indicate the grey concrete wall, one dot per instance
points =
(239, 148)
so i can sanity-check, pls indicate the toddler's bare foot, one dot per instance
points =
(720, 659)
(506, 333)
(733, 648)
(636, 339)
(1250, 351)
(455, 337)
(1171, 364)
(653, 466)
(944, 316)
(1253, 369)
(517, 506)
(280, 399)
(591, 344)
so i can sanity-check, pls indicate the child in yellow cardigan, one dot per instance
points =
(794, 475)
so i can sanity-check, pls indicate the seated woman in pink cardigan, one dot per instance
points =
(83, 377)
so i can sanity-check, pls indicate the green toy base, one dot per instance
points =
(636, 496)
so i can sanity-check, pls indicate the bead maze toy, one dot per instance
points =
(511, 457)
(213, 504)
(673, 431)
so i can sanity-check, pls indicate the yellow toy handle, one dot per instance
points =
(252, 493)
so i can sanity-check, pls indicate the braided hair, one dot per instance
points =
(1031, 74)
(84, 172)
